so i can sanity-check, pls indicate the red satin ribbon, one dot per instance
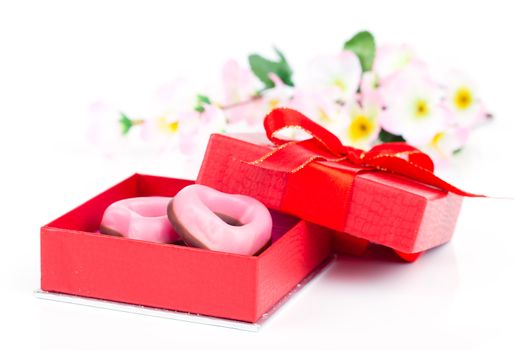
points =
(292, 156)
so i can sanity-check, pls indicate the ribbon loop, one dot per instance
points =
(282, 118)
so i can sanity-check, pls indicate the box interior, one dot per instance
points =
(87, 217)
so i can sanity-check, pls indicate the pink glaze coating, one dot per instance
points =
(143, 218)
(196, 213)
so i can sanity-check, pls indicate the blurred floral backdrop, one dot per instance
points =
(363, 93)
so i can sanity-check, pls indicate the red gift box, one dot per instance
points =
(376, 206)
(77, 260)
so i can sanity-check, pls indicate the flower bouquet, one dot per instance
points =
(364, 94)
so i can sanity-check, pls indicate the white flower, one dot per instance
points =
(413, 107)
(361, 122)
(278, 96)
(444, 143)
(341, 72)
(320, 105)
(369, 82)
(462, 100)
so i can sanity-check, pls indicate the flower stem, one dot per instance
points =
(240, 103)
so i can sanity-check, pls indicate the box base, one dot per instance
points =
(183, 316)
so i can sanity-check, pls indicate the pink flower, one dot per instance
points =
(175, 124)
(251, 112)
(178, 95)
(392, 59)
(278, 96)
(161, 132)
(240, 86)
(196, 128)
(104, 130)
(239, 83)
(173, 103)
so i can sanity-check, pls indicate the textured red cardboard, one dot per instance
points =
(382, 208)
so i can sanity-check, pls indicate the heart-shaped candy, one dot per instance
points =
(232, 223)
(141, 218)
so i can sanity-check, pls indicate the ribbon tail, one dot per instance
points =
(433, 180)
(418, 173)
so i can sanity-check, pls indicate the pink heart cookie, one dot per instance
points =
(141, 218)
(231, 223)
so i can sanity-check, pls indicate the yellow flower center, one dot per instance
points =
(339, 83)
(173, 126)
(167, 126)
(273, 103)
(360, 128)
(436, 139)
(463, 98)
(324, 117)
(435, 143)
(421, 109)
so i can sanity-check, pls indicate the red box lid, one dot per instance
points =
(378, 207)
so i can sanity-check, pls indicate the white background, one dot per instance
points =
(58, 57)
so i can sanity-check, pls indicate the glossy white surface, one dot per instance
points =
(57, 57)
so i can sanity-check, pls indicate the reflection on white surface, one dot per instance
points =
(148, 311)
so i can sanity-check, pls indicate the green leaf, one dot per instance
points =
(262, 67)
(385, 136)
(201, 101)
(364, 46)
(125, 123)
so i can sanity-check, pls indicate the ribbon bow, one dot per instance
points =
(292, 156)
